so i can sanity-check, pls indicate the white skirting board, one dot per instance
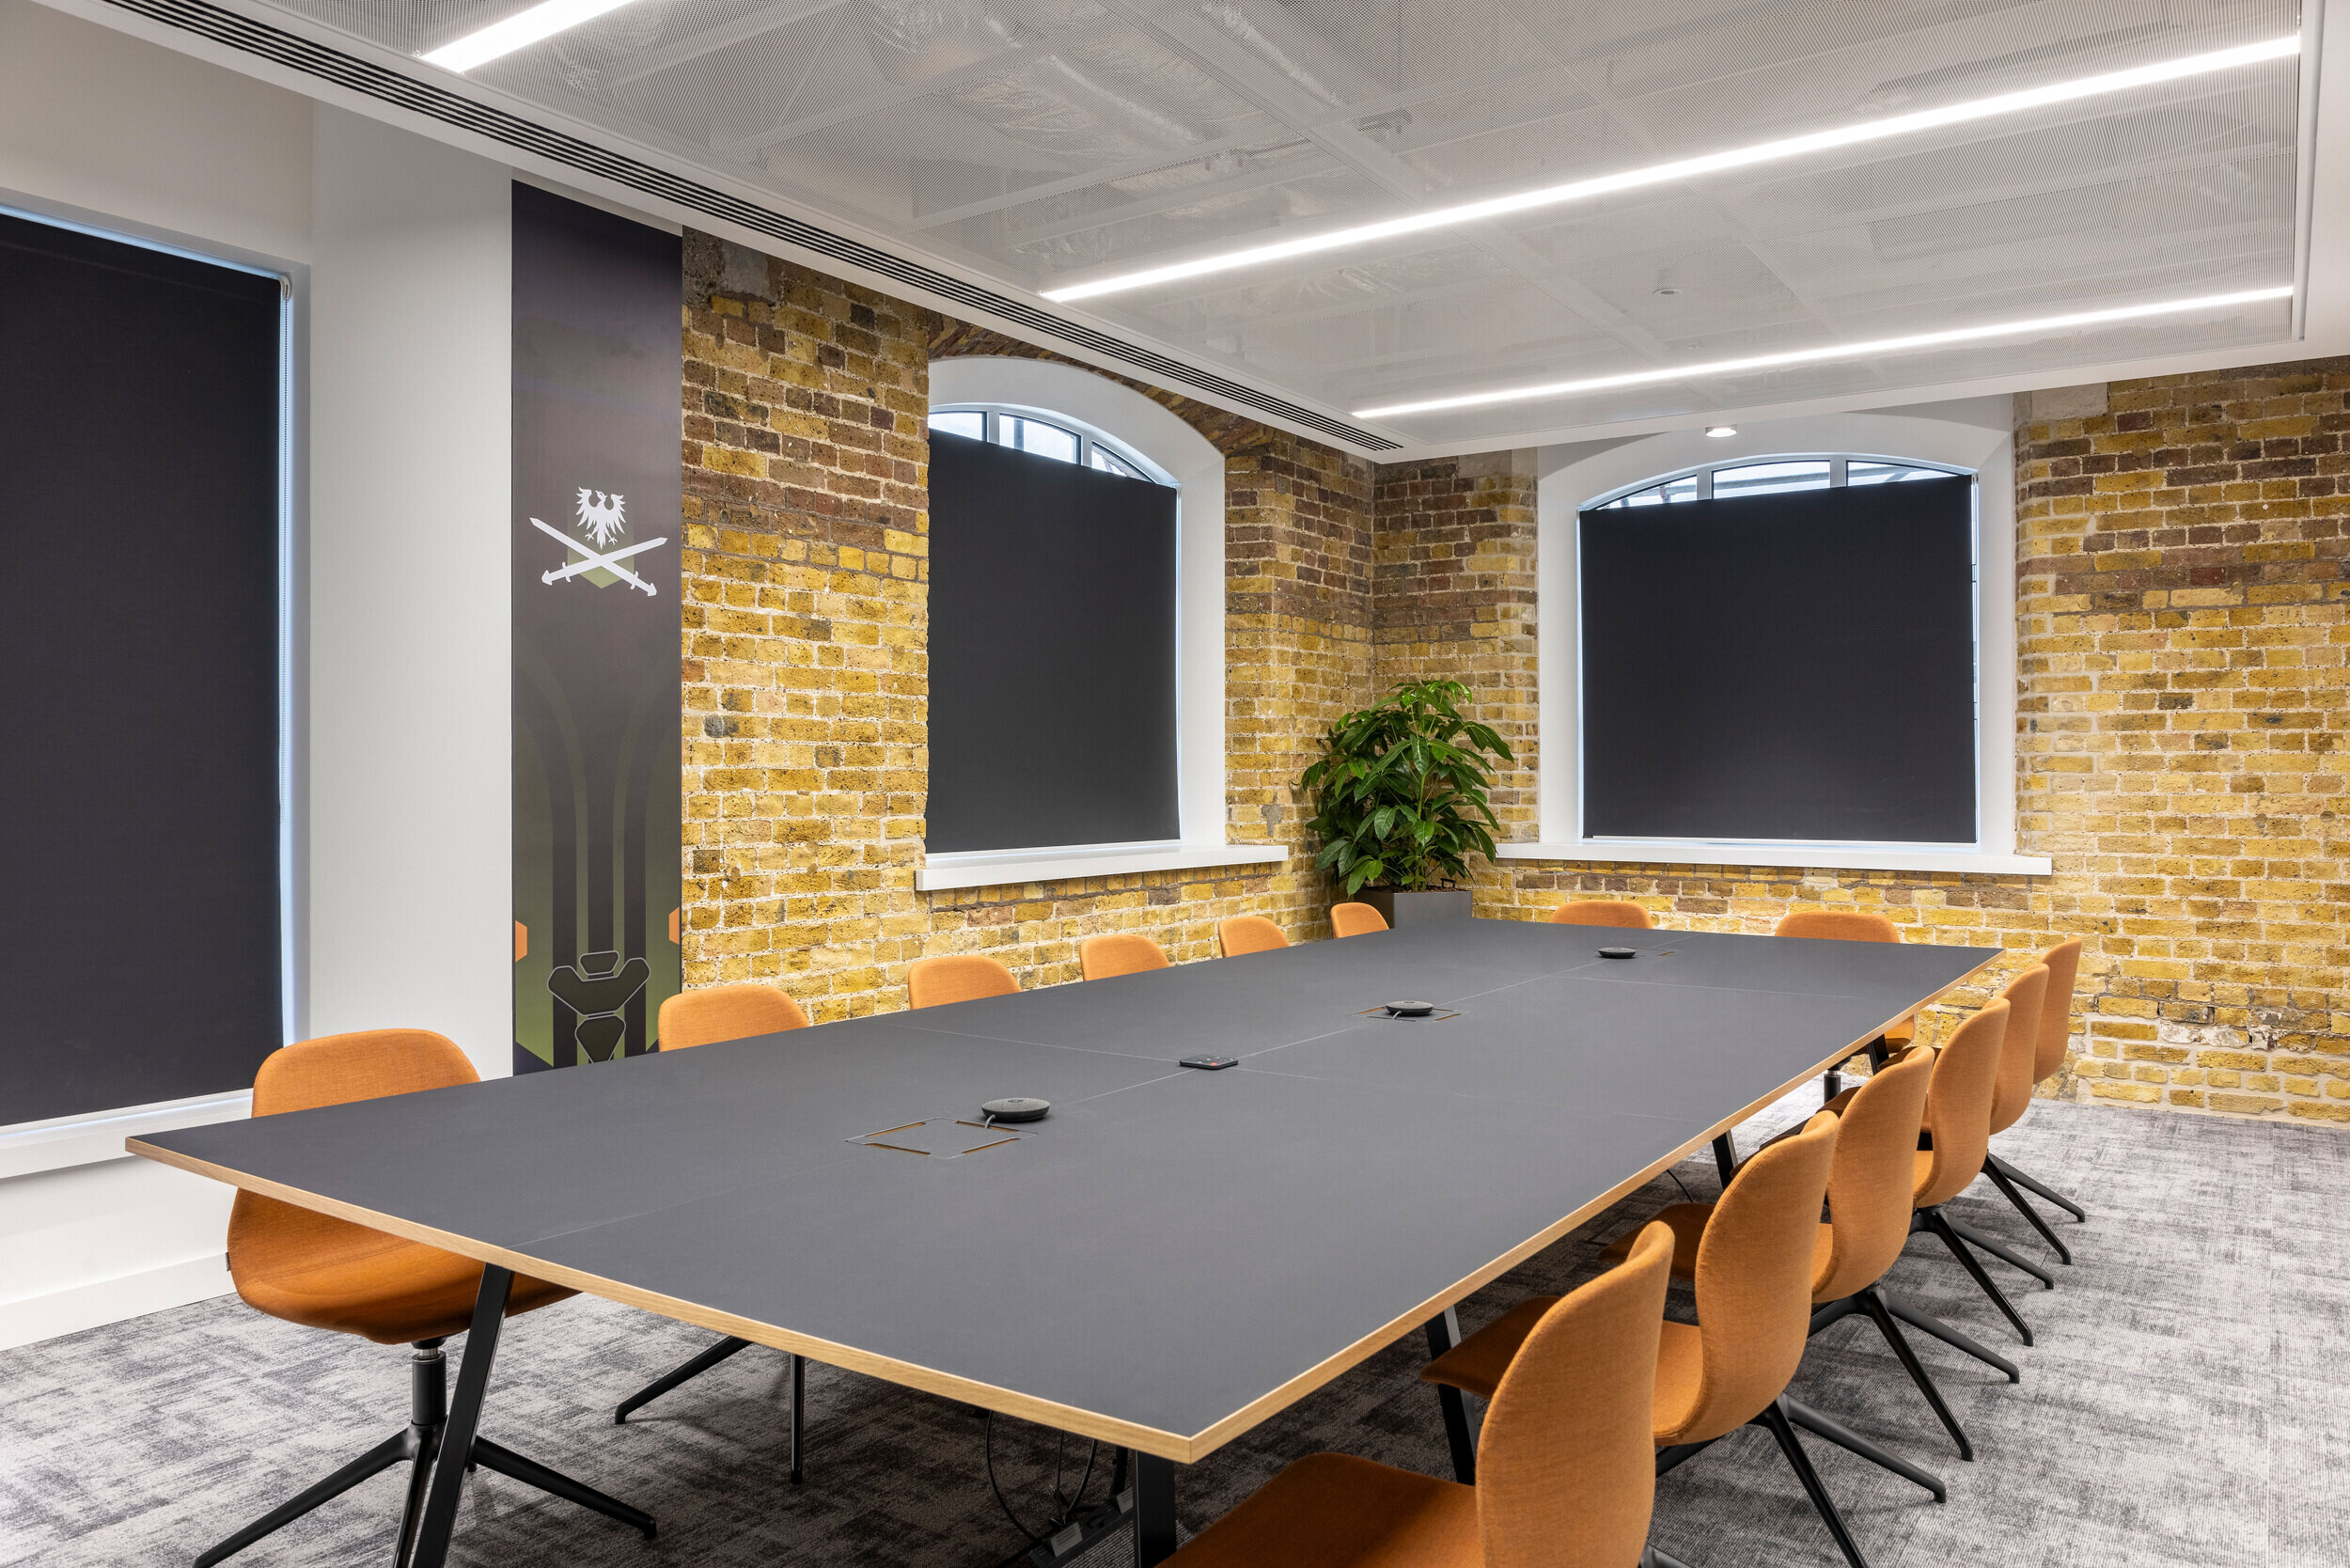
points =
(103, 1301)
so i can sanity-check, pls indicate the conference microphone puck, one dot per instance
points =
(1017, 1109)
(1410, 1010)
(1619, 952)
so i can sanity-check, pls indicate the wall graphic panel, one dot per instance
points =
(597, 700)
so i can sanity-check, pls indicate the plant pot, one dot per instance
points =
(1399, 908)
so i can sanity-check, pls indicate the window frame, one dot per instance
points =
(1974, 441)
(1131, 464)
(1166, 450)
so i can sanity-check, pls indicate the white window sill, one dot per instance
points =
(1836, 857)
(998, 867)
(69, 1140)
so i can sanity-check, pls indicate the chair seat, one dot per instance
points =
(385, 1288)
(1334, 1510)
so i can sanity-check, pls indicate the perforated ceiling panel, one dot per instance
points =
(1040, 142)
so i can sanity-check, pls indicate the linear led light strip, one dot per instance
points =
(1835, 350)
(518, 31)
(1688, 168)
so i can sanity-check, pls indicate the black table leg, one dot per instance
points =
(465, 1419)
(1725, 1158)
(799, 1411)
(1155, 1509)
(1444, 1332)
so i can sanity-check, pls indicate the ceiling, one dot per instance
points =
(1029, 144)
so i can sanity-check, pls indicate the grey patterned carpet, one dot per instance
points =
(2189, 1402)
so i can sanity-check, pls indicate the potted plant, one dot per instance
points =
(1399, 799)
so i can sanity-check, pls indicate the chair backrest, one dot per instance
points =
(2011, 1091)
(336, 1069)
(1754, 1280)
(1355, 920)
(956, 978)
(1837, 925)
(1875, 1174)
(1565, 1473)
(1236, 935)
(1603, 911)
(717, 1012)
(1125, 952)
(1958, 1104)
(2063, 962)
(267, 1237)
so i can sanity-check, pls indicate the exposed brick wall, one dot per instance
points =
(1454, 598)
(804, 637)
(2183, 628)
(2181, 607)
(2181, 653)
(807, 522)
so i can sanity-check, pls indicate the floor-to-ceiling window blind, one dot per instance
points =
(140, 918)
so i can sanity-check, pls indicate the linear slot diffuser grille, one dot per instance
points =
(299, 54)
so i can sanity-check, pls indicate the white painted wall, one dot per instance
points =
(410, 859)
(399, 247)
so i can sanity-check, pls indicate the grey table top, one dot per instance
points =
(1172, 1255)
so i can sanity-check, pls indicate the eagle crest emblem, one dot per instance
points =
(602, 517)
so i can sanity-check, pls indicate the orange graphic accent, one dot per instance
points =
(521, 941)
(673, 913)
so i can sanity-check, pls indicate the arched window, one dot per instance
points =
(1780, 648)
(1003, 589)
(1771, 476)
(1047, 434)
(1713, 612)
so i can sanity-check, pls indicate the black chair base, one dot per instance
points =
(2010, 1182)
(1939, 1224)
(2078, 1213)
(690, 1370)
(1779, 1420)
(1888, 1316)
(418, 1444)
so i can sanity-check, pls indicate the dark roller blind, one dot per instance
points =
(139, 917)
(1052, 653)
(1783, 667)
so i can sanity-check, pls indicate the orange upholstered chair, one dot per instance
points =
(315, 1270)
(1958, 1127)
(1236, 935)
(717, 1013)
(1849, 925)
(1617, 913)
(2011, 1091)
(1567, 1477)
(957, 977)
(1125, 954)
(1869, 1187)
(705, 1018)
(2063, 963)
(1355, 920)
(1755, 1265)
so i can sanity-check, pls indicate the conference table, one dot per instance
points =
(1173, 1254)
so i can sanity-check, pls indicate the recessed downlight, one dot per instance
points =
(1685, 168)
(1719, 431)
(518, 31)
(1834, 350)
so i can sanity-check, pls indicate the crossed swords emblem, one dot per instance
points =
(602, 516)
